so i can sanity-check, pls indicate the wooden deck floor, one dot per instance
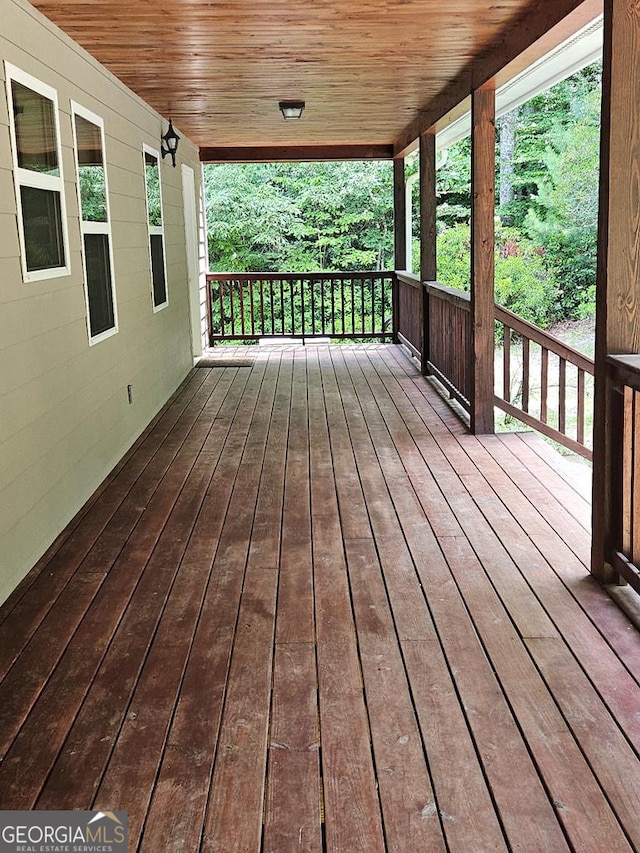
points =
(309, 612)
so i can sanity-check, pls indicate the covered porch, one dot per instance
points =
(310, 611)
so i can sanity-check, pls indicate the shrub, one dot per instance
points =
(522, 281)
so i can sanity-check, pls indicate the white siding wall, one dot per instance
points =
(64, 415)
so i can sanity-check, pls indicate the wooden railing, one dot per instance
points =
(450, 345)
(545, 383)
(623, 382)
(553, 397)
(408, 312)
(448, 328)
(247, 306)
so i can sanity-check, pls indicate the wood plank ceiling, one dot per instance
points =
(372, 72)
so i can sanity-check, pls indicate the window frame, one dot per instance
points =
(87, 227)
(155, 230)
(36, 180)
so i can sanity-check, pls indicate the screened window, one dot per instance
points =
(35, 139)
(95, 226)
(156, 231)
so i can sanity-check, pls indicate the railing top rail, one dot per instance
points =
(627, 368)
(546, 340)
(451, 294)
(296, 276)
(409, 278)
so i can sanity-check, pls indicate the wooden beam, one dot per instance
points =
(483, 147)
(294, 153)
(428, 267)
(522, 35)
(618, 289)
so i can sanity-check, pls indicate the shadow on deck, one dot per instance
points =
(308, 611)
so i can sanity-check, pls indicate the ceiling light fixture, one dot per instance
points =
(291, 109)
(171, 138)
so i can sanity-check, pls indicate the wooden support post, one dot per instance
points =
(483, 146)
(399, 233)
(399, 215)
(428, 269)
(618, 288)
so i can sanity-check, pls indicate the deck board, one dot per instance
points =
(309, 612)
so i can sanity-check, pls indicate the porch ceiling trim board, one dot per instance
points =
(293, 153)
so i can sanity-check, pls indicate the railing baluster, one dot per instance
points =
(362, 305)
(313, 306)
(581, 407)
(562, 395)
(241, 292)
(525, 374)
(252, 306)
(292, 306)
(333, 306)
(232, 309)
(262, 328)
(282, 306)
(506, 363)
(272, 309)
(374, 282)
(322, 308)
(222, 311)
(544, 384)
(209, 300)
(353, 308)
(221, 303)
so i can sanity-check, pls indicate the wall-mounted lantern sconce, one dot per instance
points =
(291, 109)
(171, 139)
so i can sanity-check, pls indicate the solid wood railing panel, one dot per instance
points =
(623, 468)
(450, 343)
(409, 317)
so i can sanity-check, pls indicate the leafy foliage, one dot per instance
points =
(300, 217)
(551, 274)
(453, 190)
(522, 283)
(154, 205)
(93, 193)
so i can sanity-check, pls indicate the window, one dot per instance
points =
(35, 139)
(156, 232)
(88, 135)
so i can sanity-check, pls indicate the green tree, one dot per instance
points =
(522, 282)
(565, 219)
(551, 200)
(453, 187)
(300, 217)
(249, 220)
